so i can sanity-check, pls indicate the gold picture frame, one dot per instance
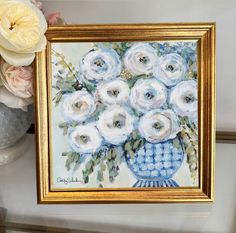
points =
(204, 33)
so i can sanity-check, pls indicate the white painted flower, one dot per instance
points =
(140, 59)
(115, 124)
(156, 126)
(78, 106)
(115, 91)
(85, 139)
(170, 69)
(184, 100)
(101, 64)
(22, 28)
(148, 94)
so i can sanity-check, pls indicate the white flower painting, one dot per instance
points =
(115, 91)
(78, 106)
(100, 64)
(148, 94)
(170, 69)
(115, 124)
(140, 59)
(125, 114)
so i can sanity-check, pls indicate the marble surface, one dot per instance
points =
(18, 196)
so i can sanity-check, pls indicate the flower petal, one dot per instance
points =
(13, 101)
(115, 91)
(17, 59)
(41, 45)
(140, 58)
(25, 39)
(85, 139)
(157, 126)
(148, 94)
(115, 124)
(78, 106)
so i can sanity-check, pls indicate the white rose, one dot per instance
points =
(114, 91)
(85, 139)
(115, 124)
(12, 101)
(22, 28)
(148, 94)
(78, 106)
(156, 126)
(184, 100)
(101, 64)
(140, 59)
(170, 69)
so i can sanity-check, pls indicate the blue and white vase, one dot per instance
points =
(155, 164)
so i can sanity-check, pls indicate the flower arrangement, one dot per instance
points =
(126, 97)
(22, 29)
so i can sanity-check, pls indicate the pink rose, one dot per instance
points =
(18, 80)
(55, 19)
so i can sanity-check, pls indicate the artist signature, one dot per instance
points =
(68, 180)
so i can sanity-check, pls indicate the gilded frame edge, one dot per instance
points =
(205, 33)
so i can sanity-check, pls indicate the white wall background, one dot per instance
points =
(17, 180)
(223, 12)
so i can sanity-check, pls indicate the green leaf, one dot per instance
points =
(89, 166)
(77, 157)
(100, 176)
(190, 149)
(73, 124)
(109, 155)
(102, 166)
(65, 131)
(137, 144)
(90, 88)
(176, 143)
(131, 153)
(86, 179)
(69, 161)
(113, 153)
(128, 146)
(57, 98)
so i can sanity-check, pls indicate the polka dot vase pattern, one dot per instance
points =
(155, 164)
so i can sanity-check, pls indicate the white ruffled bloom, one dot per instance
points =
(101, 64)
(114, 91)
(156, 126)
(184, 100)
(12, 101)
(115, 124)
(22, 28)
(78, 106)
(170, 69)
(85, 139)
(140, 59)
(148, 94)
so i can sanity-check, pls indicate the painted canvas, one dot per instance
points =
(125, 114)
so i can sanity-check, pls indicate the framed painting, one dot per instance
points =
(126, 113)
